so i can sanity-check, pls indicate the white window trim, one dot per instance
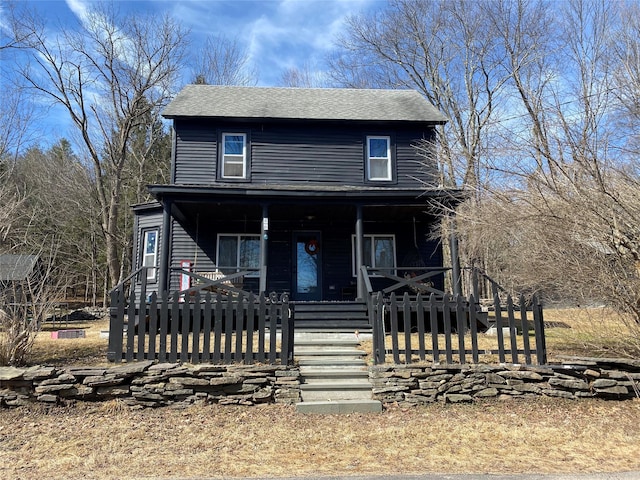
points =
(240, 158)
(372, 237)
(389, 176)
(151, 272)
(237, 265)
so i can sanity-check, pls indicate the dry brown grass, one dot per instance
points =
(104, 442)
(597, 332)
(91, 350)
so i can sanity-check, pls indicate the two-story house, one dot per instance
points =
(297, 188)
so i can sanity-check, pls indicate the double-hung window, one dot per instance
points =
(379, 159)
(379, 252)
(150, 252)
(234, 155)
(238, 252)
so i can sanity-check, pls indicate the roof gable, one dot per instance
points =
(302, 104)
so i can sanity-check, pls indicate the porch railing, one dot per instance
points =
(417, 329)
(199, 327)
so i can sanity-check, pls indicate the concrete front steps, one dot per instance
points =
(334, 376)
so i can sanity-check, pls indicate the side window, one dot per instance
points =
(379, 252)
(234, 156)
(150, 252)
(237, 253)
(378, 158)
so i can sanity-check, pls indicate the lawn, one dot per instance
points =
(109, 441)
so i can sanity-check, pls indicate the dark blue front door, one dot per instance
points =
(307, 266)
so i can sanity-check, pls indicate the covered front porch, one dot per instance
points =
(308, 244)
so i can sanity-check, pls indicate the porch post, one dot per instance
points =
(264, 236)
(362, 294)
(455, 258)
(164, 277)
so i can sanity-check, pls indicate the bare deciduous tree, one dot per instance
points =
(109, 76)
(221, 61)
(447, 51)
(304, 77)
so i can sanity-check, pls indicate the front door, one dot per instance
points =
(307, 266)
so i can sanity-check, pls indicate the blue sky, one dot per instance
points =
(277, 34)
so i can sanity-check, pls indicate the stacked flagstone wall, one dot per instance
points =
(574, 379)
(149, 384)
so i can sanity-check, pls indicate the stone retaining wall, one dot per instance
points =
(574, 379)
(149, 384)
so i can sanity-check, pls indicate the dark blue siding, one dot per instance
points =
(299, 153)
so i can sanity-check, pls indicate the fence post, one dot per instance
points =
(538, 325)
(421, 326)
(251, 326)
(496, 302)
(393, 305)
(446, 318)
(525, 331)
(175, 320)
(116, 326)
(406, 314)
(240, 320)
(131, 326)
(513, 331)
(378, 330)
(286, 356)
(273, 327)
(473, 324)
(433, 318)
(164, 325)
(197, 327)
(460, 326)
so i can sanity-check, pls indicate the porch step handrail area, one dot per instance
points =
(417, 329)
(214, 328)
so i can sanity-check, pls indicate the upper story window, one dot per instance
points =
(234, 155)
(379, 159)
(150, 252)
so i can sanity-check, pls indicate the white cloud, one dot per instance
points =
(79, 9)
(296, 32)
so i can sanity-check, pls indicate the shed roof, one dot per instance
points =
(302, 104)
(16, 267)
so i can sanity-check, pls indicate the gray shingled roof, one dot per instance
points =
(302, 103)
(16, 267)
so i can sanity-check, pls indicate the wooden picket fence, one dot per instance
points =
(445, 329)
(213, 328)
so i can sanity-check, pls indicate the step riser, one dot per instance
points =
(339, 407)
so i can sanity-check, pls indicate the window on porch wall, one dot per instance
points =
(150, 252)
(379, 252)
(238, 252)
